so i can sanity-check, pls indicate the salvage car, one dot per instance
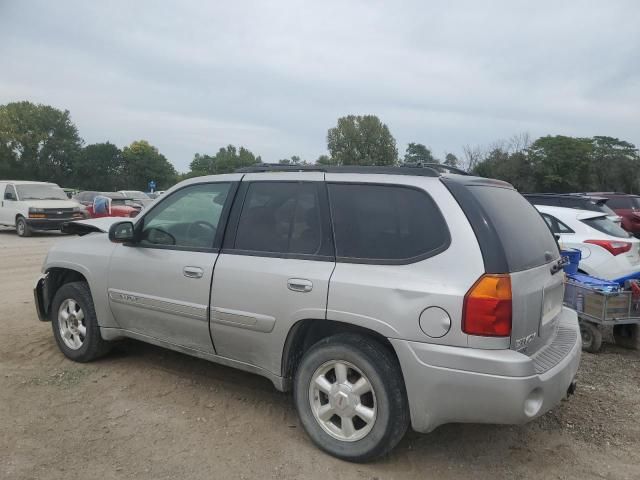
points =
(382, 296)
(30, 206)
(607, 250)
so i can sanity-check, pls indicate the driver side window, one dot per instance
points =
(187, 218)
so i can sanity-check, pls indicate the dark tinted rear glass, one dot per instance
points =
(385, 222)
(526, 239)
(621, 202)
(604, 225)
(284, 218)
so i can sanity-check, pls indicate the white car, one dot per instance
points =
(608, 251)
(29, 206)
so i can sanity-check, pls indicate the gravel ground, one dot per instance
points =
(144, 412)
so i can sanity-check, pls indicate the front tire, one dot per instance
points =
(22, 228)
(75, 325)
(351, 398)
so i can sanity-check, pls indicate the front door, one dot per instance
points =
(159, 286)
(9, 206)
(274, 269)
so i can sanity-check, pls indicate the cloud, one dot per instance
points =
(193, 77)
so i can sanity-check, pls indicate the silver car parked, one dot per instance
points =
(383, 297)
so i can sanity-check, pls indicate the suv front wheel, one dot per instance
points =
(351, 398)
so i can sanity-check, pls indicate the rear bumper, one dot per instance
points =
(48, 223)
(467, 385)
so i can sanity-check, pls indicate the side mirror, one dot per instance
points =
(8, 196)
(121, 232)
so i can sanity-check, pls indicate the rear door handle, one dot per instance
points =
(192, 272)
(299, 285)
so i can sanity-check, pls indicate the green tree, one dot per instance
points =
(451, 160)
(225, 161)
(418, 153)
(324, 160)
(98, 167)
(561, 164)
(37, 142)
(361, 140)
(142, 163)
(615, 164)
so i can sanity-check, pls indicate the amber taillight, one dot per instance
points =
(487, 307)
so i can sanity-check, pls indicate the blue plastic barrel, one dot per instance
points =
(574, 257)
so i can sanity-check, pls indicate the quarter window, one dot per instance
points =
(282, 218)
(187, 218)
(555, 225)
(385, 223)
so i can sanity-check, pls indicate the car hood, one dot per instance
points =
(82, 227)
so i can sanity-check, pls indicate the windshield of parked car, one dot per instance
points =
(604, 225)
(136, 195)
(39, 191)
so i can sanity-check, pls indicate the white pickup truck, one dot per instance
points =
(29, 206)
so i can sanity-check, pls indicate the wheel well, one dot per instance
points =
(55, 279)
(306, 333)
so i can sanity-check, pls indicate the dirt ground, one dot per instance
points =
(144, 412)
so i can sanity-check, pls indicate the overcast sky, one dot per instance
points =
(274, 76)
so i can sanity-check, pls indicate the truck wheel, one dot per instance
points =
(22, 228)
(74, 323)
(351, 398)
(627, 336)
(591, 337)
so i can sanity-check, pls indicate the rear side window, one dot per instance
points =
(283, 218)
(604, 225)
(524, 235)
(385, 223)
(621, 202)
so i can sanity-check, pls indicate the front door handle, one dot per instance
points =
(299, 285)
(193, 272)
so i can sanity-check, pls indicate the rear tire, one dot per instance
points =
(591, 337)
(350, 396)
(75, 325)
(627, 336)
(22, 228)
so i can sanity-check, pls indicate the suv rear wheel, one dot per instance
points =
(351, 398)
(74, 323)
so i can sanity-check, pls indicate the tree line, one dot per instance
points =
(39, 142)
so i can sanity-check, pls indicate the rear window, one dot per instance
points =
(604, 225)
(385, 223)
(526, 239)
(623, 202)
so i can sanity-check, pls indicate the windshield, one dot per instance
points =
(136, 195)
(38, 191)
(604, 225)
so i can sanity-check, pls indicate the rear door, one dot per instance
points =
(515, 239)
(274, 268)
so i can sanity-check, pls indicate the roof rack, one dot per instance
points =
(422, 170)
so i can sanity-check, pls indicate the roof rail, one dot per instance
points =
(422, 170)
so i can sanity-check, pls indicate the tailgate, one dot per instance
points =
(536, 303)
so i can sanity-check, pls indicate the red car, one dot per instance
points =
(120, 206)
(627, 206)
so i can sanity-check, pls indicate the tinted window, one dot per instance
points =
(10, 193)
(620, 202)
(385, 222)
(523, 233)
(556, 225)
(604, 225)
(187, 218)
(282, 218)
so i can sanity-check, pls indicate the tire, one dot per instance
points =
(591, 337)
(78, 337)
(362, 358)
(22, 228)
(627, 336)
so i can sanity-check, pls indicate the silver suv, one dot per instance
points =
(383, 297)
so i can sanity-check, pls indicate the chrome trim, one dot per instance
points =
(148, 302)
